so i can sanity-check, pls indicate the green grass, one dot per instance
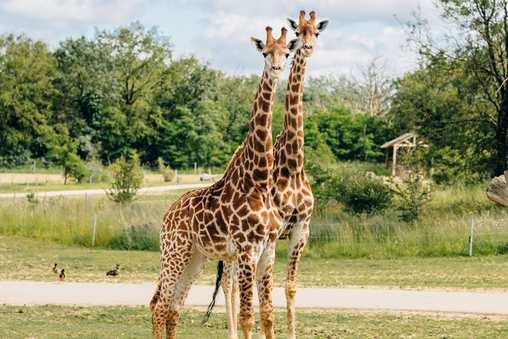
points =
(135, 322)
(443, 228)
(28, 259)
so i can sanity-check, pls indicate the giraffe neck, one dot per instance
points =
(258, 154)
(291, 140)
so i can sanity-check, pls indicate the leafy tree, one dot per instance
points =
(26, 76)
(476, 48)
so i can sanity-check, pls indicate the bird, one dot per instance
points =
(61, 276)
(56, 270)
(115, 271)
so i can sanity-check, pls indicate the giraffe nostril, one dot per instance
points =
(309, 47)
(276, 68)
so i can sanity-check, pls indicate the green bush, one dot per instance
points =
(167, 173)
(361, 194)
(127, 180)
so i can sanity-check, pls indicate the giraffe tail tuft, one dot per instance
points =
(220, 268)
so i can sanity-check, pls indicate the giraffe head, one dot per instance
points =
(275, 52)
(307, 31)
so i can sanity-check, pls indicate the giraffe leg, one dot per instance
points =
(172, 267)
(246, 270)
(228, 280)
(296, 246)
(235, 300)
(192, 271)
(264, 282)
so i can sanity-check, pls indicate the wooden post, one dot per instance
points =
(394, 165)
(471, 236)
(387, 157)
(144, 179)
(195, 167)
(94, 226)
(176, 174)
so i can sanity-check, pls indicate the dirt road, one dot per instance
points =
(40, 293)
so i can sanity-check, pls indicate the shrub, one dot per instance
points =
(361, 194)
(127, 180)
(144, 237)
(167, 173)
(411, 196)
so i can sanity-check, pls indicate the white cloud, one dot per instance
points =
(53, 19)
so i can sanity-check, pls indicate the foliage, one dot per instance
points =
(167, 173)
(412, 196)
(356, 191)
(127, 179)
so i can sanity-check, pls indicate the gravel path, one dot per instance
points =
(86, 294)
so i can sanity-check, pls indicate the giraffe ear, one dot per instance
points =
(294, 45)
(257, 44)
(292, 24)
(322, 25)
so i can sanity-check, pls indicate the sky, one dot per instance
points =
(219, 31)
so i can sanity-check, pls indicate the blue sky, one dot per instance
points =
(219, 31)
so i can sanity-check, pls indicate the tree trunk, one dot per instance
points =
(501, 140)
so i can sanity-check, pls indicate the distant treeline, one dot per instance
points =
(123, 91)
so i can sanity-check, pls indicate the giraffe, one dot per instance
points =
(233, 220)
(291, 191)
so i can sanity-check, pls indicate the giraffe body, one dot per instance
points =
(291, 190)
(233, 220)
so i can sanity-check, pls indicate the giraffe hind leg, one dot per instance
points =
(172, 267)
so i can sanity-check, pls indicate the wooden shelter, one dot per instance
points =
(406, 140)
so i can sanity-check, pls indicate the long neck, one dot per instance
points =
(258, 154)
(290, 148)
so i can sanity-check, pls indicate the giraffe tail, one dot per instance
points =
(220, 268)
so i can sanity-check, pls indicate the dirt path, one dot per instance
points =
(40, 293)
(101, 191)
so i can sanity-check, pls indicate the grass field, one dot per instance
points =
(134, 322)
(28, 259)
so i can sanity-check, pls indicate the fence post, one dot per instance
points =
(471, 236)
(176, 174)
(144, 179)
(94, 226)
(14, 199)
(195, 167)
(34, 166)
(428, 193)
(45, 190)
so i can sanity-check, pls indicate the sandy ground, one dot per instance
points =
(85, 294)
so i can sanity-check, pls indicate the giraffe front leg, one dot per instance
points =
(296, 246)
(228, 287)
(264, 281)
(246, 270)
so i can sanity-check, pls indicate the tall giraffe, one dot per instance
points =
(291, 191)
(233, 220)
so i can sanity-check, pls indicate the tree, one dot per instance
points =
(127, 179)
(140, 57)
(375, 87)
(477, 47)
(27, 71)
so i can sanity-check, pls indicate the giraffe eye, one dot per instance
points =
(264, 55)
(297, 34)
(287, 55)
(317, 34)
